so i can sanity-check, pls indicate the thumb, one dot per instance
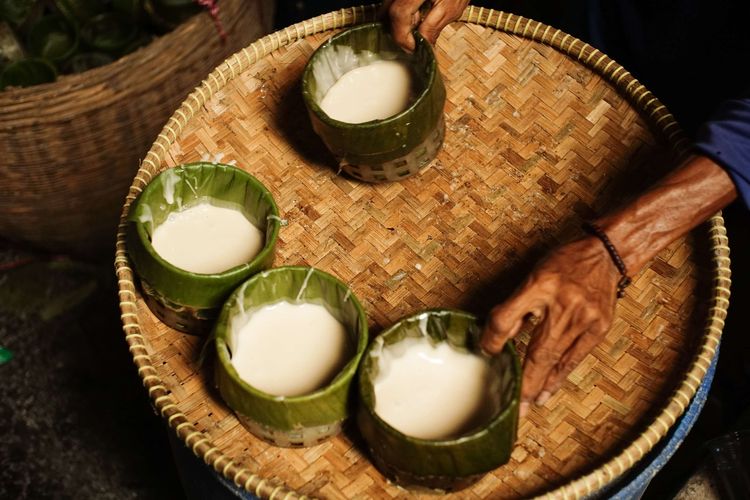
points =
(404, 16)
(505, 321)
(440, 15)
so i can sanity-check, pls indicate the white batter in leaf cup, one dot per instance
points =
(189, 299)
(387, 148)
(429, 367)
(286, 378)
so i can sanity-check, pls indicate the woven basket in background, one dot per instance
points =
(542, 131)
(69, 149)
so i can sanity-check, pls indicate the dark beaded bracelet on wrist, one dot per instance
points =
(625, 280)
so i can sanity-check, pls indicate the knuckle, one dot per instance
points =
(544, 356)
(590, 314)
(574, 297)
(439, 13)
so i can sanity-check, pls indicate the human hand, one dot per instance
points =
(572, 293)
(405, 16)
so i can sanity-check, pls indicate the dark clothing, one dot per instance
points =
(694, 55)
(726, 139)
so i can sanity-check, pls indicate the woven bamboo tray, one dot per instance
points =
(542, 131)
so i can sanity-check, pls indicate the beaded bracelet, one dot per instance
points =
(625, 280)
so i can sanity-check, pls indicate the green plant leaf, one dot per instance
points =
(133, 9)
(108, 32)
(16, 11)
(46, 290)
(5, 355)
(86, 61)
(78, 11)
(10, 46)
(53, 38)
(26, 73)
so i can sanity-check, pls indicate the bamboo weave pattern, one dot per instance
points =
(535, 142)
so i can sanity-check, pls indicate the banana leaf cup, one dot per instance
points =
(184, 300)
(293, 421)
(379, 150)
(441, 464)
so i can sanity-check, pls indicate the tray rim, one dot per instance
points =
(659, 118)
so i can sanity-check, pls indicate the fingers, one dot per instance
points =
(574, 288)
(506, 320)
(570, 360)
(440, 15)
(404, 16)
(556, 334)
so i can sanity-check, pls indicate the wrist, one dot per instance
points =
(629, 238)
(589, 254)
(624, 279)
(681, 201)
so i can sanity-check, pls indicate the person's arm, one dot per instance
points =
(405, 16)
(725, 138)
(573, 291)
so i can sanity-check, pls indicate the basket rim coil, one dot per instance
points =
(656, 114)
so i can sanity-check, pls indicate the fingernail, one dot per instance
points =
(523, 409)
(542, 398)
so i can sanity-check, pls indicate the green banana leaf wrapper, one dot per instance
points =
(325, 407)
(448, 464)
(377, 141)
(183, 292)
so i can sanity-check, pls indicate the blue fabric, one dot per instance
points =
(725, 138)
(199, 481)
(635, 483)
